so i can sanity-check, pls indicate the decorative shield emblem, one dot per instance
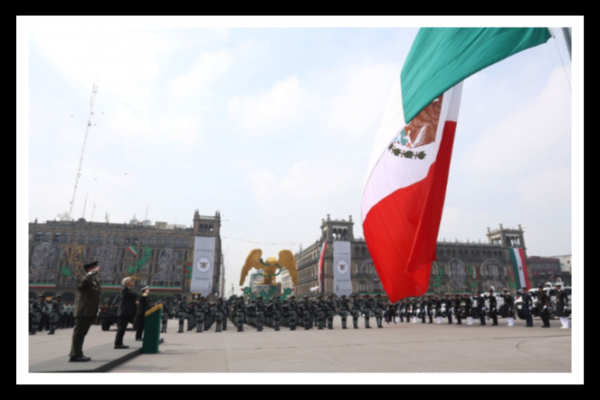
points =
(342, 267)
(203, 264)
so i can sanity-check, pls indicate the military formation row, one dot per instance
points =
(320, 312)
(50, 314)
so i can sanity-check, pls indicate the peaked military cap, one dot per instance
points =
(90, 265)
(145, 287)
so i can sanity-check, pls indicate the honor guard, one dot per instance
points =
(356, 304)
(449, 307)
(458, 307)
(378, 306)
(493, 304)
(468, 308)
(430, 308)
(508, 307)
(562, 306)
(183, 313)
(304, 310)
(438, 309)
(526, 305)
(422, 309)
(345, 308)
(543, 306)
(481, 308)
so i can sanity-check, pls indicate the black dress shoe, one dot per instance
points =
(121, 346)
(80, 358)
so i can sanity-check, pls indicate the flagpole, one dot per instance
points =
(567, 36)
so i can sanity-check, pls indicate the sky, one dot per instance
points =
(271, 121)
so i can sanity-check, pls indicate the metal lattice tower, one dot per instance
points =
(67, 216)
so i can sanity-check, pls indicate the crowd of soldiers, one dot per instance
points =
(201, 314)
(320, 311)
(50, 313)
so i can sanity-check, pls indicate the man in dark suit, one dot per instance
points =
(87, 309)
(125, 312)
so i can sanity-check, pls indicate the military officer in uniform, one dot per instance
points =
(438, 309)
(38, 306)
(87, 309)
(240, 313)
(304, 309)
(60, 306)
(562, 306)
(430, 308)
(183, 313)
(543, 306)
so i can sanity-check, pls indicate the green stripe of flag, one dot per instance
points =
(515, 268)
(442, 57)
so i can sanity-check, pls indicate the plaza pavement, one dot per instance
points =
(395, 348)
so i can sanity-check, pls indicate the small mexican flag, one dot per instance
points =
(321, 262)
(133, 251)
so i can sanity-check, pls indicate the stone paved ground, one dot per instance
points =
(436, 353)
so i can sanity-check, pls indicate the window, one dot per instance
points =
(82, 238)
(74, 238)
(109, 239)
(92, 239)
(161, 241)
(152, 241)
(169, 241)
(135, 240)
(38, 236)
(126, 240)
(46, 237)
(118, 240)
(186, 242)
(178, 242)
(100, 239)
(56, 237)
(65, 238)
(144, 240)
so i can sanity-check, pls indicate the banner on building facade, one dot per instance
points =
(203, 266)
(342, 258)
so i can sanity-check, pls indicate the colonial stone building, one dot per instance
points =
(158, 255)
(460, 266)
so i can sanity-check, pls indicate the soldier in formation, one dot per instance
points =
(562, 306)
(54, 311)
(167, 313)
(183, 313)
(331, 311)
(458, 304)
(378, 307)
(508, 307)
(220, 314)
(292, 313)
(200, 311)
(367, 310)
(543, 306)
(345, 309)
(356, 310)
(260, 313)
(240, 313)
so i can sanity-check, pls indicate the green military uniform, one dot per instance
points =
(87, 309)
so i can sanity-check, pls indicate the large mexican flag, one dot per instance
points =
(406, 179)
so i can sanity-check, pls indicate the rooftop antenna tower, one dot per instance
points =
(67, 216)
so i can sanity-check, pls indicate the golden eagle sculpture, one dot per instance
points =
(272, 267)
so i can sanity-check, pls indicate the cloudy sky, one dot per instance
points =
(271, 122)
